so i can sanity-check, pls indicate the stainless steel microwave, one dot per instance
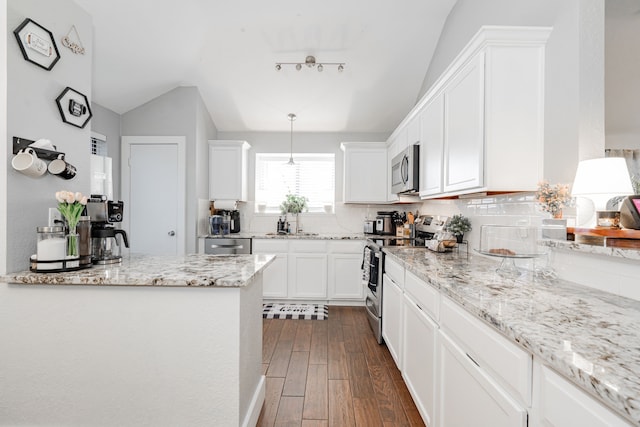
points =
(405, 171)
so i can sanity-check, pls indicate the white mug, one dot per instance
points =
(27, 162)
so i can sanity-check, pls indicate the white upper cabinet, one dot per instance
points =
(463, 128)
(432, 147)
(490, 135)
(360, 184)
(228, 170)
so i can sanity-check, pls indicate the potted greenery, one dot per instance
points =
(458, 225)
(294, 204)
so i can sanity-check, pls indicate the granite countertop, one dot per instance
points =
(305, 235)
(589, 336)
(143, 270)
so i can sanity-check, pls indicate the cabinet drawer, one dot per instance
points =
(271, 246)
(423, 295)
(510, 365)
(296, 246)
(394, 270)
(346, 247)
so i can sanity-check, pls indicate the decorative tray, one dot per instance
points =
(56, 266)
(509, 254)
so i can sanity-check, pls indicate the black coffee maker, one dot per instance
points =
(105, 247)
(234, 216)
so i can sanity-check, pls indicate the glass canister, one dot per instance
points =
(51, 246)
(84, 231)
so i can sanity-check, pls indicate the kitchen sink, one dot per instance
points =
(302, 234)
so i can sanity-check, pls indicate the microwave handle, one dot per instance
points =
(404, 169)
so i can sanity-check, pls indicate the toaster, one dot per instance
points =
(369, 226)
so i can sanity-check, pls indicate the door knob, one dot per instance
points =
(172, 233)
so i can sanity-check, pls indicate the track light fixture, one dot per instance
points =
(310, 62)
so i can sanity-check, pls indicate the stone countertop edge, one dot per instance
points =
(588, 336)
(192, 270)
(313, 236)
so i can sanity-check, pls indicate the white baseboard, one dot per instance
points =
(253, 412)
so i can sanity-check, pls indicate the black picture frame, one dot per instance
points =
(74, 107)
(37, 44)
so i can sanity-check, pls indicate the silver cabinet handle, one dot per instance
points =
(172, 233)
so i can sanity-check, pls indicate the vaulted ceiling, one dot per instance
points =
(228, 49)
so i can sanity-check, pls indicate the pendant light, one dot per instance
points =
(292, 117)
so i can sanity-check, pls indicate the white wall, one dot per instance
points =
(4, 154)
(32, 113)
(179, 112)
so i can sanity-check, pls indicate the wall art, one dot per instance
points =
(37, 44)
(74, 107)
(73, 42)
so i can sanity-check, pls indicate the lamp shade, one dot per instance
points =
(601, 180)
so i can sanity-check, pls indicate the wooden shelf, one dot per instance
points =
(610, 237)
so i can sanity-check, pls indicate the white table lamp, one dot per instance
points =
(602, 179)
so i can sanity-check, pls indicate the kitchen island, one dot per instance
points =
(589, 337)
(153, 341)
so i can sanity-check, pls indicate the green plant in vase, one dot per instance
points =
(294, 204)
(71, 205)
(458, 225)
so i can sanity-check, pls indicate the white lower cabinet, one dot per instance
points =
(275, 276)
(558, 403)
(307, 276)
(345, 277)
(392, 318)
(468, 396)
(419, 358)
(312, 269)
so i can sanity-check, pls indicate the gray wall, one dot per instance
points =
(622, 85)
(107, 123)
(32, 114)
(179, 112)
(574, 99)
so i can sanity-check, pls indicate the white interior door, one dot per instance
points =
(154, 194)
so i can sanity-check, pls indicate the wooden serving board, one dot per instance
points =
(610, 237)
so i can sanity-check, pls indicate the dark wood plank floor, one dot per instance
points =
(331, 373)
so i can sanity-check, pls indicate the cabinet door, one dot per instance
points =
(392, 318)
(468, 397)
(308, 275)
(345, 277)
(432, 147)
(274, 278)
(392, 150)
(227, 170)
(464, 128)
(419, 358)
(559, 403)
(365, 174)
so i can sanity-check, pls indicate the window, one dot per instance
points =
(312, 176)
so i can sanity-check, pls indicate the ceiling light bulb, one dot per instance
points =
(298, 67)
(340, 68)
(320, 67)
(278, 67)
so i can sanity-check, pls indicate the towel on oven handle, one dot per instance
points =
(366, 262)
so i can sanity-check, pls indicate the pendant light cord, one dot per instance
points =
(292, 117)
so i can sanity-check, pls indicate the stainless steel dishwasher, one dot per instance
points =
(227, 246)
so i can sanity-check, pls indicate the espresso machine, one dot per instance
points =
(105, 247)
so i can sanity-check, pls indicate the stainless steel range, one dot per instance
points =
(426, 227)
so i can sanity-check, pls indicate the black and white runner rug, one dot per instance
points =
(295, 311)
